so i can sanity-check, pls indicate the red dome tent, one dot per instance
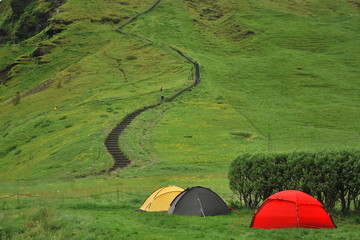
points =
(291, 209)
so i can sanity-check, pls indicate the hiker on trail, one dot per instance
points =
(196, 80)
(162, 99)
(161, 88)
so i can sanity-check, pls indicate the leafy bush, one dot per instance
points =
(331, 177)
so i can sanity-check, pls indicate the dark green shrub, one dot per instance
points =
(329, 176)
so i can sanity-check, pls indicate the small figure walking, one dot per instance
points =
(55, 108)
(196, 80)
(161, 88)
(162, 99)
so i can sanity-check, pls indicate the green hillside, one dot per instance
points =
(276, 76)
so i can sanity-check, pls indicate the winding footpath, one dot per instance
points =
(112, 140)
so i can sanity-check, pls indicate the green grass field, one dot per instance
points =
(277, 75)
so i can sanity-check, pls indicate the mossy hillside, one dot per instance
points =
(94, 84)
(295, 78)
(5, 10)
(97, 10)
(190, 141)
(80, 39)
(109, 100)
(9, 53)
(197, 155)
(23, 19)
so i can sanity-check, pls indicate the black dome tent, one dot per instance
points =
(198, 201)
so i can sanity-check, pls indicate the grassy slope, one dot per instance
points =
(296, 79)
(90, 92)
(298, 84)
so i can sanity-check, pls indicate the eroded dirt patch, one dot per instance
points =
(217, 18)
(4, 74)
(245, 135)
(355, 4)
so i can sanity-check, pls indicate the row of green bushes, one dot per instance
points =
(330, 176)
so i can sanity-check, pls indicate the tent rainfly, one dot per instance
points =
(198, 201)
(160, 200)
(291, 209)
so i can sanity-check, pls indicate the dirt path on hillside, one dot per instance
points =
(112, 140)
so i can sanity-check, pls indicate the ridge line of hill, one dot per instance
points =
(112, 140)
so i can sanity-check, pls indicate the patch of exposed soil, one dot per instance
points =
(355, 4)
(43, 49)
(57, 26)
(247, 136)
(206, 10)
(4, 74)
(217, 19)
(107, 20)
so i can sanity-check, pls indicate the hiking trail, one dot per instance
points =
(112, 140)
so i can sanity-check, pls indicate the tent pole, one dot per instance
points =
(201, 208)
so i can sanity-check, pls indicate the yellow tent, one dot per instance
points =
(161, 199)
